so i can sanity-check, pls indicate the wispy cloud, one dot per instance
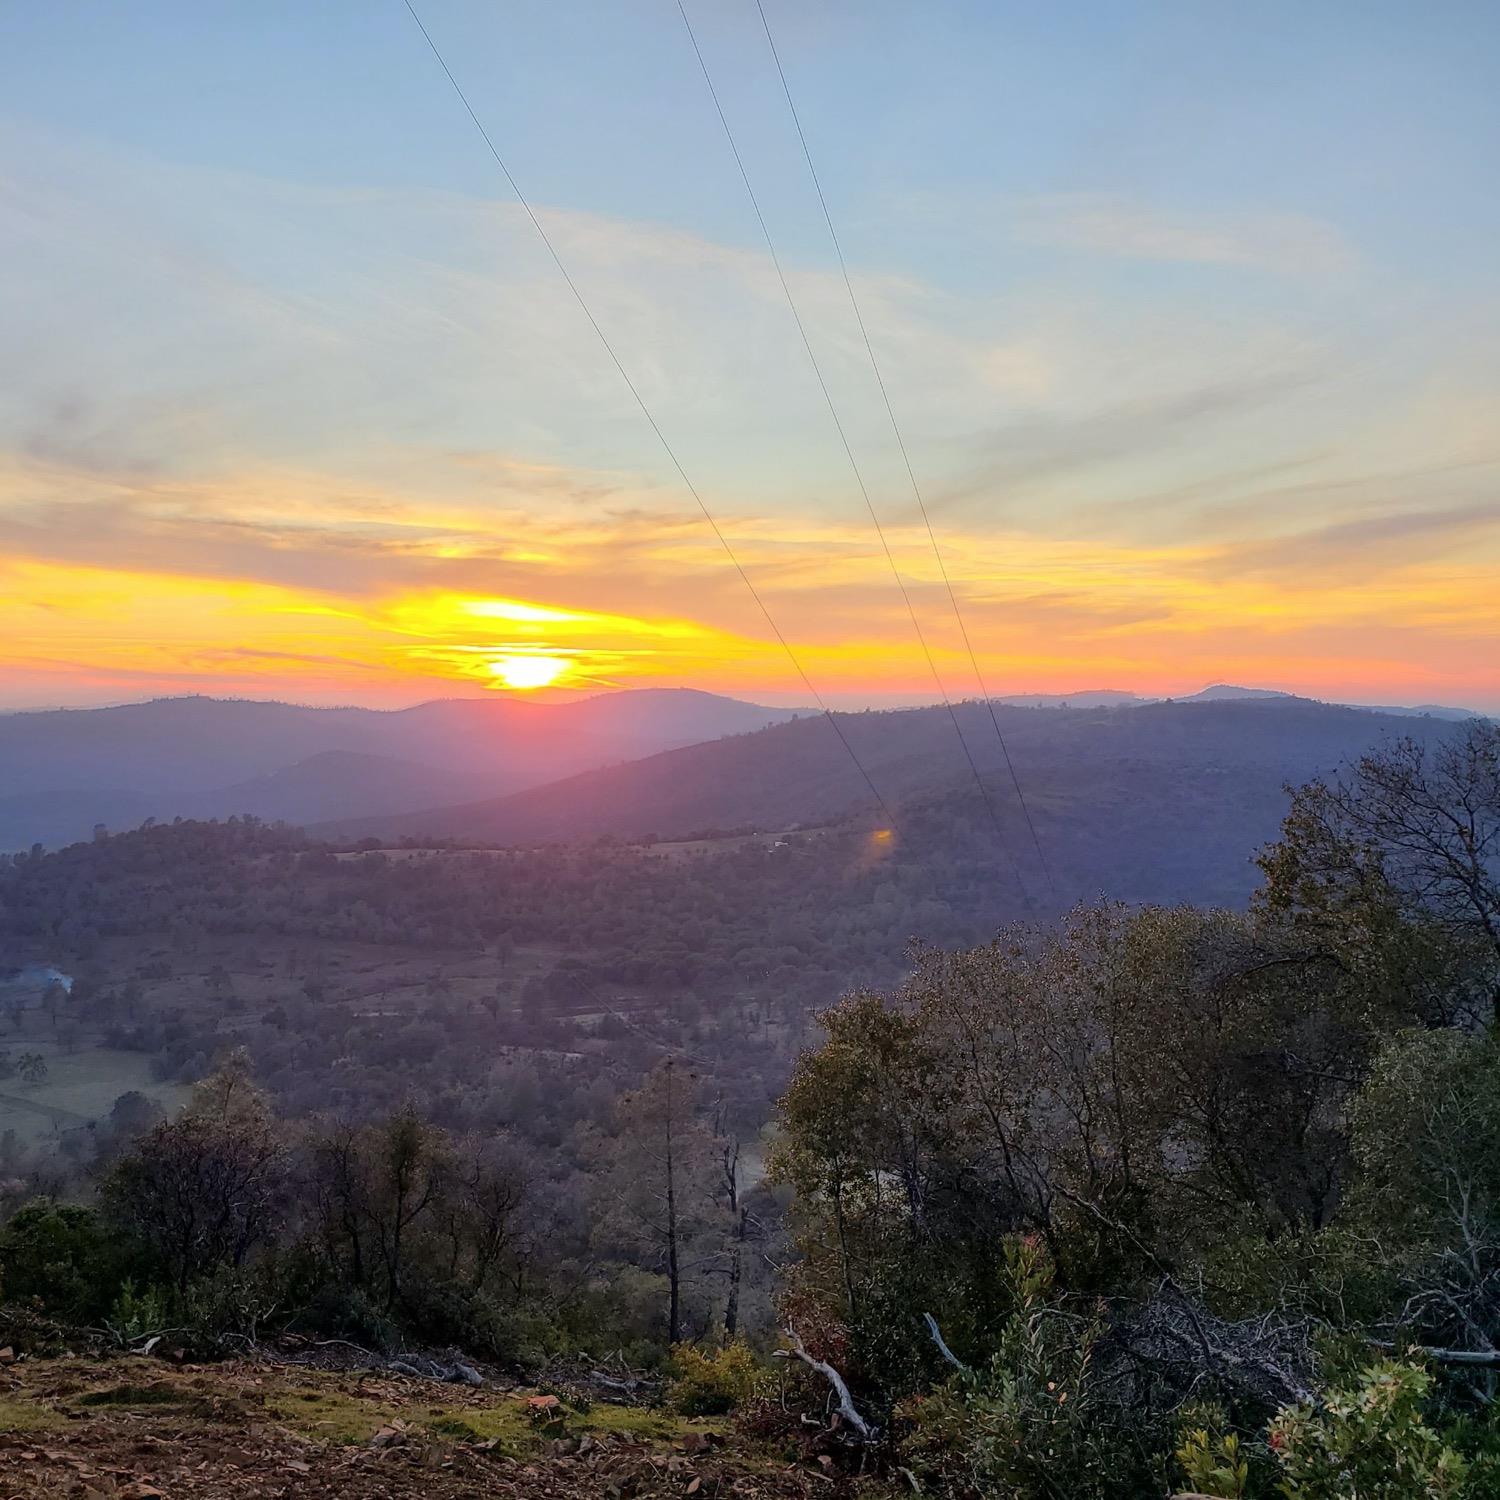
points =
(309, 416)
(1392, 541)
(1105, 224)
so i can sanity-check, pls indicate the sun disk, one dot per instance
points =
(526, 672)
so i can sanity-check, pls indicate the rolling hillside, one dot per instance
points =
(63, 771)
(1150, 802)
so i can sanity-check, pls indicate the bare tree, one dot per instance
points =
(730, 1194)
(660, 1172)
(482, 1215)
(1414, 828)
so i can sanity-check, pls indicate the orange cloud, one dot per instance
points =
(1351, 620)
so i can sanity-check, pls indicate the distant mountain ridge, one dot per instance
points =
(1163, 800)
(1220, 692)
(1119, 698)
(64, 770)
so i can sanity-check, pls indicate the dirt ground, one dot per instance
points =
(143, 1429)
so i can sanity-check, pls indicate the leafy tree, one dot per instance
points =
(377, 1188)
(61, 1254)
(1131, 1090)
(1426, 1194)
(205, 1189)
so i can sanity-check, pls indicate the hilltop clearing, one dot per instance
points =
(135, 1429)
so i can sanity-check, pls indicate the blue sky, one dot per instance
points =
(1190, 312)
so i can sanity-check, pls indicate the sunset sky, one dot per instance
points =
(1190, 312)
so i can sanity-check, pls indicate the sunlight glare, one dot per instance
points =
(527, 672)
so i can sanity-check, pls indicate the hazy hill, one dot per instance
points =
(62, 771)
(1158, 801)
(1224, 692)
(1114, 698)
(343, 784)
(1088, 698)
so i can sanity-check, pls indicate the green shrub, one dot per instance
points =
(1029, 1425)
(135, 1314)
(59, 1255)
(1367, 1438)
(1212, 1459)
(713, 1382)
(1476, 1436)
(232, 1302)
(346, 1312)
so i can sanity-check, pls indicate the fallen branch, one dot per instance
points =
(942, 1347)
(1489, 1358)
(846, 1408)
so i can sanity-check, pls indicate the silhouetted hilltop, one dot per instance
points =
(62, 771)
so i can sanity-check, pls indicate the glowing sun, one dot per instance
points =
(526, 672)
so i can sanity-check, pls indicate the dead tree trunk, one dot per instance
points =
(739, 1219)
(674, 1276)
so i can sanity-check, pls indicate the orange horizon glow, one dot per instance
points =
(342, 436)
(1045, 616)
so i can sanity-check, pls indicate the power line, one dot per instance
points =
(661, 437)
(839, 425)
(911, 474)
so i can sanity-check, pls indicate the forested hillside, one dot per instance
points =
(63, 771)
(1141, 802)
(1150, 1196)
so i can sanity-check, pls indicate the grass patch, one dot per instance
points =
(641, 1423)
(462, 1430)
(137, 1395)
(509, 1424)
(331, 1415)
(325, 1410)
(20, 1415)
(81, 1086)
(505, 1423)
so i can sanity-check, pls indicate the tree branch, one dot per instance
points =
(942, 1347)
(846, 1408)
